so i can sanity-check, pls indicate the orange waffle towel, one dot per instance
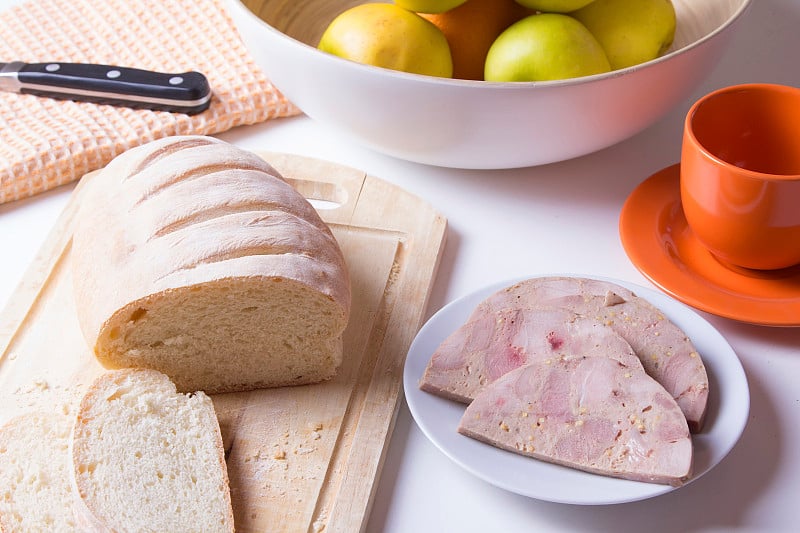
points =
(45, 143)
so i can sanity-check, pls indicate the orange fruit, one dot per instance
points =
(471, 28)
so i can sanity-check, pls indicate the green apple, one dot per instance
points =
(429, 6)
(554, 6)
(549, 46)
(630, 31)
(388, 36)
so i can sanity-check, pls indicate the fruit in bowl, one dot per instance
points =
(554, 6)
(389, 36)
(550, 46)
(630, 31)
(470, 30)
(503, 40)
(429, 6)
(477, 124)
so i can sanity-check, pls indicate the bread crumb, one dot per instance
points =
(319, 524)
(254, 457)
(35, 386)
(280, 455)
(302, 450)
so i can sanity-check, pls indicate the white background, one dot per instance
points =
(557, 218)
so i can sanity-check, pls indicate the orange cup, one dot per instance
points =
(740, 174)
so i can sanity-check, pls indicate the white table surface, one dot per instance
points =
(556, 218)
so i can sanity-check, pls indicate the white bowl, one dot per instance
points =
(477, 124)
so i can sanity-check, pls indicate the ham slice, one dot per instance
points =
(494, 343)
(665, 351)
(594, 414)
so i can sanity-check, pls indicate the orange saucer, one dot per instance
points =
(657, 239)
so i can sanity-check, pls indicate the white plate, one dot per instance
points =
(728, 408)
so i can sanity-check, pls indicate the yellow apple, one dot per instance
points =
(630, 31)
(543, 47)
(388, 36)
(554, 6)
(429, 6)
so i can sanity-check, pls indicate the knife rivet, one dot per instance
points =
(52, 67)
(113, 74)
(175, 80)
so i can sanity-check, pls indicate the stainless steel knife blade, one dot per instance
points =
(186, 92)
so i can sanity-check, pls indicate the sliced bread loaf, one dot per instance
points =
(195, 258)
(147, 458)
(35, 492)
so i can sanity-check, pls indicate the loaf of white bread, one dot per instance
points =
(196, 258)
(138, 456)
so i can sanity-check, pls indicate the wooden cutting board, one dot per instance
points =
(299, 458)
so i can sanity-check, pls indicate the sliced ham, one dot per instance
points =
(494, 343)
(665, 351)
(594, 414)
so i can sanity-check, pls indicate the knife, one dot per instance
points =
(187, 92)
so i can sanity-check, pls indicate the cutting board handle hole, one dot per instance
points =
(322, 195)
(323, 204)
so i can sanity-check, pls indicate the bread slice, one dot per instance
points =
(147, 458)
(195, 258)
(35, 493)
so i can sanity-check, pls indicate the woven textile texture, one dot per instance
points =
(45, 143)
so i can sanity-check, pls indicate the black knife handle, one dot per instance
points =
(187, 92)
